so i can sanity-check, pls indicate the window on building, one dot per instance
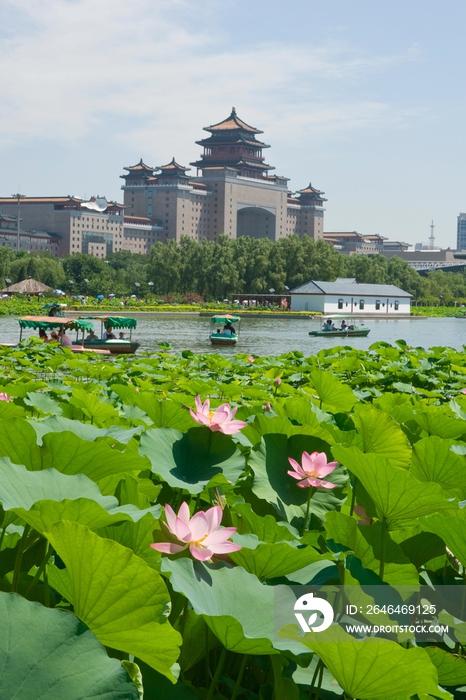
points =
(377, 305)
(340, 303)
(361, 304)
(397, 305)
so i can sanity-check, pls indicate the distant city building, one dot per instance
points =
(28, 240)
(354, 243)
(346, 296)
(73, 225)
(461, 232)
(232, 192)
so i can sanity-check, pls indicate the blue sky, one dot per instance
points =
(364, 99)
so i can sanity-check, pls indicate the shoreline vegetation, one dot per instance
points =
(20, 306)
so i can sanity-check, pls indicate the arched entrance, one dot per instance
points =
(255, 223)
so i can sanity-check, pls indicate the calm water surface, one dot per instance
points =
(274, 336)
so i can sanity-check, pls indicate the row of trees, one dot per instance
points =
(218, 270)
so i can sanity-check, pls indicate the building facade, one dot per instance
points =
(461, 232)
(73, 225)
(349, 297)
(232, 192)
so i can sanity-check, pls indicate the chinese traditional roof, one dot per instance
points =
(232, 123)
(36, 200)
(172, 166)
(139, 168)
(311, 190)
(231, 139)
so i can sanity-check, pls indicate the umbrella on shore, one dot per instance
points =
(59, 292)
(27, 286)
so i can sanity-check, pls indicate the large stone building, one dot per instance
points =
(232, 192)
(461, 232)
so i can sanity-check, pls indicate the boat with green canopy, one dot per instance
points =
(344, 330)
(229, 334)
(50, 323)
(111, 336)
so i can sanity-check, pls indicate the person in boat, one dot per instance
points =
(328, 326)
(54, 310)
(54, 336)
(121, 336)
(109, 334)
(43, 335)
(91, 336)
(65, 341)
(343, 325)
(228, 329)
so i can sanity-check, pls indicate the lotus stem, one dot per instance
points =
(240, 676)
(314, 677)
(382, 551)
(39, 570)
(217, 673)
(306, 519)
(353, 496)
(19, 557)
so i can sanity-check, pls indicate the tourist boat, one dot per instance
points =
(351, 329)
(119, 346)
(50, 323)
(221, 336)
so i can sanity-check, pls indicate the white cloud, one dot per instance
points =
(154, 73)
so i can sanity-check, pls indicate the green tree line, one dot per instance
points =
(218, 270)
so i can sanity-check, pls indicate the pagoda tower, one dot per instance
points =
(232, 144)
(172, 173)
(311, 197)
(137, 174)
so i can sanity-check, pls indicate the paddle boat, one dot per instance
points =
(50, 323)
(116, 346)
(331, 330)
(228, 335)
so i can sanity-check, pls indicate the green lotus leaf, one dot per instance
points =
(266, 528)
(373, 669)
(164, 413)
(43, 403)
(10, 410)
(95, 459)
(100, 413)
(273, 560)
(433, 460)
(58, 424)
(451, 668)
(117, 595)
(435, 422)
(396, 493)
(44, 497)
(190, 460)
(331, 392)
(269, 463)
(366, 543)
(452, 530)
(235, 605)
(381, 435)
(18, 442)
(50, 654)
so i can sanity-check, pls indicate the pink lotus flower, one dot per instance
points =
(314, 467)
(277, 381)
(250, 358)
(463, 391)
(4, 397)
(221, 419)
(267, 407)
(200, 533)
(361, 511)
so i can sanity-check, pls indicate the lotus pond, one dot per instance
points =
(248, 476)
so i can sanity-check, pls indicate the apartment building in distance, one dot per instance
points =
(232, 192)
(65, 225)
(461, 232)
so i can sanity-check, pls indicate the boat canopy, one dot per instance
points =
(225, 318)
(116, 321)
(46, 322)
